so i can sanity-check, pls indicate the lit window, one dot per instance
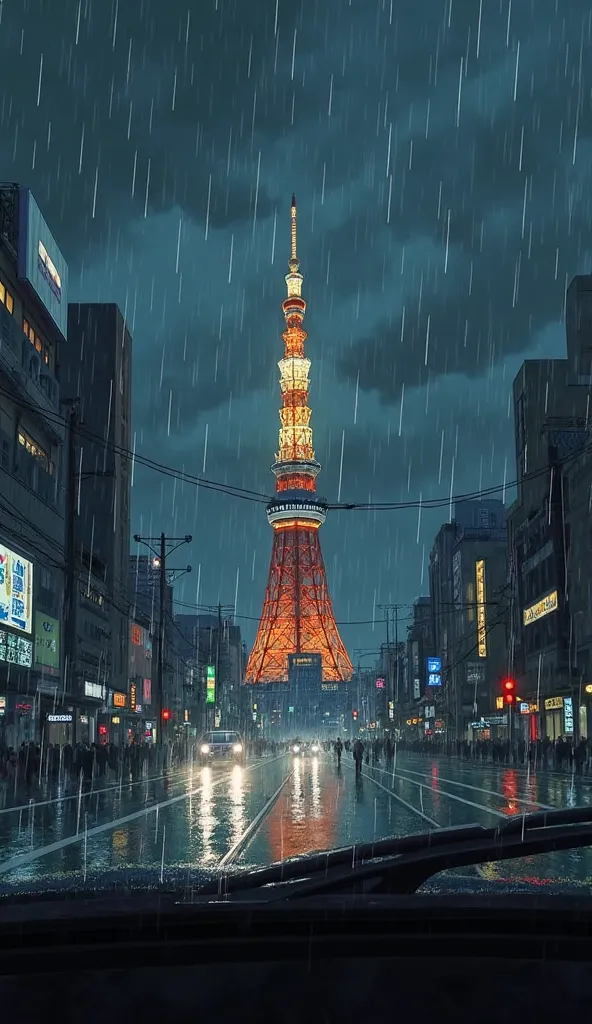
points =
(6, 298)
(35, 450)
(26, 327)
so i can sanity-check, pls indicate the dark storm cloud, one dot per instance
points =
(498, 196)
(102, 101)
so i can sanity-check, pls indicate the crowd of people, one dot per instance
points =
(561, 754)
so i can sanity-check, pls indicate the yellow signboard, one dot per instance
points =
(499, 703)
(553, 703)
(481, 620)
(543, 607)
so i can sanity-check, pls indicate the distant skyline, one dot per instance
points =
(441, 156)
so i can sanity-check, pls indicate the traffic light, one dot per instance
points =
(355, 714)
(508, 688)
(166, 714)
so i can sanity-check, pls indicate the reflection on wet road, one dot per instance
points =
(275, 807)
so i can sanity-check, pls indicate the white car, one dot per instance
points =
(220, 745)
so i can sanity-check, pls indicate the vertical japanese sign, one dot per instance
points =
(210, 685)
(481, 617)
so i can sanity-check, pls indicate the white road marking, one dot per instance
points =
(466, 785)
(109, 826)
(179, 774)
(395, 796)
(442, 792)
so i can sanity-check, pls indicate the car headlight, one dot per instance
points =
(296, 749)
(237, 748)
(205, 748)
(315, 749)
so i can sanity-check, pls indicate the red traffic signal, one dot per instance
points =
(166, 714)
(508, 687)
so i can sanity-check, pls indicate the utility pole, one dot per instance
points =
(70, 589)
(161, 553)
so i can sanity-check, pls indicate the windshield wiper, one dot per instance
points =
(403, 865)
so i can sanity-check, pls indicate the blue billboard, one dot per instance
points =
(434, 664)
(40, 262)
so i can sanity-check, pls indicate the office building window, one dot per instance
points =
(36, 341)
(35, 450)
(6, 298)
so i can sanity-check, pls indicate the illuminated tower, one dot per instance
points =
(297, 614)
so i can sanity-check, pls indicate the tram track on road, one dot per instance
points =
(251, 830)
(88, 834)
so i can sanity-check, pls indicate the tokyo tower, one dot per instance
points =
(297, 614)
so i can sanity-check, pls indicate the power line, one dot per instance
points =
(262, 498)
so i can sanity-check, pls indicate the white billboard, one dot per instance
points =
(40, 261)
(16, 591)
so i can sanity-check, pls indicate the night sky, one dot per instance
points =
(440, 152)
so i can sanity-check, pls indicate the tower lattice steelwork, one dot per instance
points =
(297, 614)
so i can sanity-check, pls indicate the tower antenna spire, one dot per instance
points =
(293, 261)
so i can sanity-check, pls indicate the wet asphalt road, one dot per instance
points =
(275, 807)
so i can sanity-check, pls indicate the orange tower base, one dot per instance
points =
(297, 613)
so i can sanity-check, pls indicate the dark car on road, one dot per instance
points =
(221, 745)
(305, 748)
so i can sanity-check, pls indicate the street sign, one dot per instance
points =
(434, 679)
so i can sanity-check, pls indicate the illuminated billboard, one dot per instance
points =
(47, 642)
(210, 685)
(481, 616)
(16, 591)
(40, 262)
(543, 607)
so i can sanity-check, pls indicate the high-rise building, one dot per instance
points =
(97, 371)
(549, 532)
(297, 615)
(33, 332)
(468, 593)
(211, 648)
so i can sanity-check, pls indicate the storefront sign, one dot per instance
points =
(434, 664)
(568, 718)
(543, 607)
(481, 616)
(147, 691)
(119, 700)
(553, 703)
(16, 591)
(588, 688)
(15, 649)
(499, 703)
(524, 709)
(94, 690)
(380, 684)
(416, 689)
(47, 641)
(2, 706)
(133, 696)
(116, 720)
(59, 719)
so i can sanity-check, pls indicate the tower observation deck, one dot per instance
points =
(297, 614)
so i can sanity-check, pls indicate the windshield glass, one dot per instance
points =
(295, 489)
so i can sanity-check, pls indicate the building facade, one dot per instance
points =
(549, 532)
(469, 598)
(97, 373)
(33, 333)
